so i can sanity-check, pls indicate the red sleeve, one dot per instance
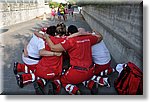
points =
(47, 47)
(93, 39)
(68, 43)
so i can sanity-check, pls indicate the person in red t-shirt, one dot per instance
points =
(79, 49)
(102, 60)
(49, 67)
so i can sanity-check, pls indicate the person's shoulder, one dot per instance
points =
(91, 37)
(56, 38)
(86, 36)
(73, 39)
(52, 38)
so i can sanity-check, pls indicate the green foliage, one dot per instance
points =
(54, 4)
(72, 1)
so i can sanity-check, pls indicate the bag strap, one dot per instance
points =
(135, 70)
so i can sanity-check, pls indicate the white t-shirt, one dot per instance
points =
(33, 48)
(100, 53)
(76, 10)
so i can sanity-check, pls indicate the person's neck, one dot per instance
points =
(58, 36)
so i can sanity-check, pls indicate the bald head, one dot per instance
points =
(81, 30)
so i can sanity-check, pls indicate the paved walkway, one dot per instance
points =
(11, 45)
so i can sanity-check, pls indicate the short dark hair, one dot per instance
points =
(72, 29)
(51, 30)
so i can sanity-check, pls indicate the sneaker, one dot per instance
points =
(15, 68)
(106, 82)
(56, 86)
(94, 90)
(56, 89)
(78, 92)
(38, 89)
(51, 88)
(41, 82)
(19, 80)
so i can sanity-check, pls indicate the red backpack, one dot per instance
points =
(130, 80)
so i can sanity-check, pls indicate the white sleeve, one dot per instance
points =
(41, 44)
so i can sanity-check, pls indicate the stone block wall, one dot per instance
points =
(122, 28)
(12, 13)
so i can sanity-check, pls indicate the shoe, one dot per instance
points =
(94, 90)
(78, 92)
(41, 82)
(19, 80)
(56, 86)
(106, 82)
(15, 68)
(51, 88)
(38, 89)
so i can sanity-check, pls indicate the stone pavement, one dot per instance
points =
(11, 45)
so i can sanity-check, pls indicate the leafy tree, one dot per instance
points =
(54, 4)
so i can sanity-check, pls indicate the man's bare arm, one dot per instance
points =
(99, 36)
(79, 34)
(39, 35)
(25, 49)
(44, 52)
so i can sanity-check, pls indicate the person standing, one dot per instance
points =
(53, 13)
(61, 12)
(75, 12)
(70, 9)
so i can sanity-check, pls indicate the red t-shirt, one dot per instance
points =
(51, 62)
(79, 49)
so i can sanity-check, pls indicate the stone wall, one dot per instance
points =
(12, 13)
(122, 28)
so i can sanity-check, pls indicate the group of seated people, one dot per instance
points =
(66, 57)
